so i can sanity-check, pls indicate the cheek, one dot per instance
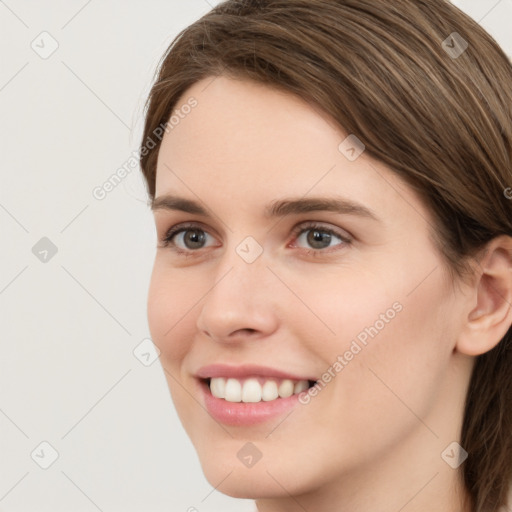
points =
(403, 359)
(392, 308)
(171, 299)
(343, 307)
(170, 306)
(393, 338)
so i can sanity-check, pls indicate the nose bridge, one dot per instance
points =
(247, 272)
(243, 267)
(240, 297)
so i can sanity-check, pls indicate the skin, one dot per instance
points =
(376, 432)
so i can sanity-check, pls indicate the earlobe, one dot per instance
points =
(490, 319)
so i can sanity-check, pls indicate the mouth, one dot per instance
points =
(255, 389)
(249, 394)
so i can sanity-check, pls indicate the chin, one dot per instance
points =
(263, 480)
(242, 483)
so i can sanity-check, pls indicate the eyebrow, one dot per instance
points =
(278, 208)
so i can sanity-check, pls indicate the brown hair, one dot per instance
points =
(399, 76)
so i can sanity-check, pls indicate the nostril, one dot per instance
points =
(244, 331)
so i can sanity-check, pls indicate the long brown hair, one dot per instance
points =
(429, 92)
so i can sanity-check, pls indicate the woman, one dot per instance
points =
(332, 287)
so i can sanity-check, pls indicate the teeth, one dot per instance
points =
(251, 391)
(233, 391)
(218, 387)
(269, 391)
(300, 386)
(286, 389)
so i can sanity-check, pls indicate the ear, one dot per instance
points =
(490, 319)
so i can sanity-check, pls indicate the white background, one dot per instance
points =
(68, 375)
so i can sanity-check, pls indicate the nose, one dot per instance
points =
(241, 304)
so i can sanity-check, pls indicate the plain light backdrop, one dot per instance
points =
(75, 269)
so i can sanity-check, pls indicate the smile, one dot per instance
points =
(247, 395)
(255, 389)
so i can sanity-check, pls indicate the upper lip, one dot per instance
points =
(246, 370)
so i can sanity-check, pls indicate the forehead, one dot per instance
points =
(246, 123)
(249, 142)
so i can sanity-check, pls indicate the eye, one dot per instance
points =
(186, 238)
(319, 237)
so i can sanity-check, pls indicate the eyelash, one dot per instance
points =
(296, 232)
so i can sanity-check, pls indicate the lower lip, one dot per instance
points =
(243, 414)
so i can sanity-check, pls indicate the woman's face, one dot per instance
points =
(298, 257)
